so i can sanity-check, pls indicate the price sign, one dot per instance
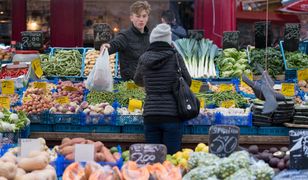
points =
(134, 104)
(298, 140)
(36, 66)
(8, 87)
(202, 103)
(223, 140)
(196, 86)
(27, 99)
(131, 85)
(260, 34)
(63, 100)
(288, 89)
(102, 34)
(302, 74)
(291, 36)
(40, 85)
(70, 88)
(231, 39)
(147, 153)
(5, 102)
(84, 152)
(228, 104)
(28, 145)
(225, 87)
(32, 40)
(250, 77)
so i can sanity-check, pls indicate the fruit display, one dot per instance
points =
(91, 56)
(303, 85)
(276, 158)
(11, 122)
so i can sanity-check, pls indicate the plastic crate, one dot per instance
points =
(202, 119)
(5, 147)
(67, 118)
(133, 129)
(9, 137)
(187, 129)
(233, 120)
(87, 129)
(273, 131)
(41, 127)
(249, 130)
(61, 163)
(43, 118)
(99, 119)
(303, 47)
(200, 129)
(70, 78)
(129, 119)
(25, 133)
(108, 129)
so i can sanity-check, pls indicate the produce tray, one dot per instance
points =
(248, 130)
(9, 137)
(87, 129)
(303, 47)
(25, 133)
(71, 78)
(43, 118)
(200, 129)
(233, 120)
(61, 163)
(187, 129)
(133, 128)
(67, 118)
(129, 119)
(202, 119)
(98, 120)
(41, 127)
(273, 131)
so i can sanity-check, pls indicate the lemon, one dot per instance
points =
(183, 163)
(178, 155)
(199, 147)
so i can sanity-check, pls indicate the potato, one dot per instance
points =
(8, 170)
(30, 164)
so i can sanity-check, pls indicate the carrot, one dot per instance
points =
(108, 155)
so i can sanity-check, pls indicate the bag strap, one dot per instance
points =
(178, 64)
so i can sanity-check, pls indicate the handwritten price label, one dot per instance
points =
(131, 85)
(228, 104)
(288, 89)
(63, 100)
(5, 102)
(36, 65)
(70, 88)
(40, 85)
(302, 74)
(8, 87)
(196, 86)
(225, 87)
(134, 104)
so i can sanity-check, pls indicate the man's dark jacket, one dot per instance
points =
(157, 72)
(130, 44)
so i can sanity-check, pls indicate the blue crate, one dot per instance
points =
(129, 119)
(133, 128)
(42, 118)
(273, 131)
(25, 132)
(61, 163)
(108, 129)
(67, 118)
(248, 130)
(9, 137)
(71, 78)
(187, 129)
(87, 129)
(233, 120)
(202, 119)
(5, 147)
(303, 47)
(200, 129)
(41, 127)
(99, 119)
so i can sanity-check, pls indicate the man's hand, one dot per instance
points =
(104, 46)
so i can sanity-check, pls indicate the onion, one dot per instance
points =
(84, 105)
(72, 109)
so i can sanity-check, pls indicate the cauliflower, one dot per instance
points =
(14, 117)
(1, 115)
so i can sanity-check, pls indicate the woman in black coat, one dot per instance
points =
(157, 72)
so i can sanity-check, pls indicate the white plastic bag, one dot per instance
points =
(100, 77)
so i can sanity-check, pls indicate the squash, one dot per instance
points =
(8, 170)
(131, 171)
(74, 171)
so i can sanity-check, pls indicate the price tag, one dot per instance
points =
(228, 104)
(225, 87)
(250, 77)
(147, 153)
(8, 87)
(27, 99)
(40, 85)
(134, 104)
(70, 88)
(63, 100)
(131, 85)
(288, 89)
(302, 74)
(202, 103)
(28, 145)
(298, 143)
(36, 65)
(84, 152)
(195, 86)
(5, 102)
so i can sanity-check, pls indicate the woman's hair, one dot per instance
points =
(138, 6)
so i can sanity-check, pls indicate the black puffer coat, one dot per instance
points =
(157, 72)
(130, 44)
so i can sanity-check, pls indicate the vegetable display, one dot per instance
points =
(90, 60)
(219, 97)
(123, 94)
(275, 63)
(296, 60)
(5, 54)
(303, 85)
(11, 122)
(74, 91)
(233, 63)
(198, 56)
(12, 73)
(63, 63)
